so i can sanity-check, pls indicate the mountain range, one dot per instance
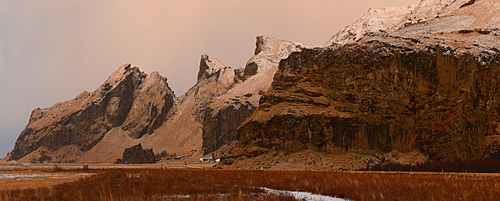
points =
(414, 79)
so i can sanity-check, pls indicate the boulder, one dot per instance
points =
(138, 155)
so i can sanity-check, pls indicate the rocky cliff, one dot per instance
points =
(430, 85)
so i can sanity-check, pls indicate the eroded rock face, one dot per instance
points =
(138, 155)
(427, 81)
(129, 99)
(385, 93)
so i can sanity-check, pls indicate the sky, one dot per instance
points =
(52, 50)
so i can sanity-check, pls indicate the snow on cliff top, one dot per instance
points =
(373, 21)
(461, 15)
(427, 16)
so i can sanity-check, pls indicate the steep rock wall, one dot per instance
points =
(384, 93)
(220, 125)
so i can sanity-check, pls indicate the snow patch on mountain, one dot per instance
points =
(396, 18)
(373, 21)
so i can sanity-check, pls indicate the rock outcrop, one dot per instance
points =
(430, 86)
(129, 100)
(137, 155)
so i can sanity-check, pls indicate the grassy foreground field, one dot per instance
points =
(194, 184)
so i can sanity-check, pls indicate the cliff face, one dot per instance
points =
(220, 125)
(430, 86)
(128, 95)
(380, 96)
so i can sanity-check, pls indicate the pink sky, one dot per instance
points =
(52, 50)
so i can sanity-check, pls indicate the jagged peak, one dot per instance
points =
(429, 9)
(268, 52)
(268, 44)
(122, 72)
(155, 78)
(155, 75)
(209, 67)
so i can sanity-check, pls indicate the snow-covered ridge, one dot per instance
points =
(396, 18)
(372, 21)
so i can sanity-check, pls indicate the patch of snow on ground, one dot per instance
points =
(297, 194)
(304, 195)
(189, 196)
(38, 175)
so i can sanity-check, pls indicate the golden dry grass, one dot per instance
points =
(159, 184)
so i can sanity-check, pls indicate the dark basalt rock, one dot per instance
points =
(138, 155)
(220, 125)
(382, 96)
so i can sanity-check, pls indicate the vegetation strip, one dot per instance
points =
(213, 184)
